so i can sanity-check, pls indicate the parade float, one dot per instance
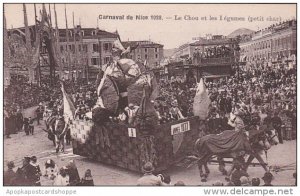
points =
(125, 145)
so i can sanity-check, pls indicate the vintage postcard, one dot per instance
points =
(150, 94)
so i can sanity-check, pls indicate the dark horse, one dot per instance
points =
(50, 126)
(232, 144)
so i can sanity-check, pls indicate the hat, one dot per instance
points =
(255, 181)
(130, 105)
(268, 176)
(10, 164)
(148, 167)
(33, 158)
(244, 180)
(27, 159)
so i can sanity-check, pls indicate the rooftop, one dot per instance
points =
(144, 44)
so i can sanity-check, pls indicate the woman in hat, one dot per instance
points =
(148, 179)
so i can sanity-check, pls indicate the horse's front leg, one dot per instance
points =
(206, 169)
(222, 165)
(250, 159)
(202, 175)
(261, 161)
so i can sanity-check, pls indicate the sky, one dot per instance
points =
(170, 31)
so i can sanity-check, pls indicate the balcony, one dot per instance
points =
(213, 61)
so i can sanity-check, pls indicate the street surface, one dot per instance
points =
(20, 145)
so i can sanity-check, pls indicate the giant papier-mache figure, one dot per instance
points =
(124, 81)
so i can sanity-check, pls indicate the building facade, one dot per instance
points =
(151, 52)
(88, 50)
(276, 43)
(78, 55)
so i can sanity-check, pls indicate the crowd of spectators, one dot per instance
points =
(259, 91)
(238, 178)
(32, 174)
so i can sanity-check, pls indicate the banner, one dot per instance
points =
(69, 109)
(201, 101)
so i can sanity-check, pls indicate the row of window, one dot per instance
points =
(283, 43)
(146, 56)
(84, 47)
(146, 50)
(96, 61)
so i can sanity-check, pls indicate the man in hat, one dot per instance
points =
(148, 179)
(9, 176)
(268, 178)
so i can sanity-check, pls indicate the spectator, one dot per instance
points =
(30, 126)
(26, 125)
(255, 182)
(51, 169)
(238, 173)
(166, 179)
(268, 178)
(245, 181)
(148, 179)
(87, 180)
(73, 173)
(62, 178)
(34, 172)
(9, 176)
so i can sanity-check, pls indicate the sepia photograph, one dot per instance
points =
(150, 94)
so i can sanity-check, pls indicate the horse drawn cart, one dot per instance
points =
(128, 147)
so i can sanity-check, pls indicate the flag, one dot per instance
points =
(201, 101)
(154, 88)
(108, 71)
(117, 44)
(69, 109)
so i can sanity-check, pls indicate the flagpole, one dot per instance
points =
(39, 61)
(67, 48)
(75, 43)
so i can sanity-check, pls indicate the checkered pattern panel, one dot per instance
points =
(80, 130)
